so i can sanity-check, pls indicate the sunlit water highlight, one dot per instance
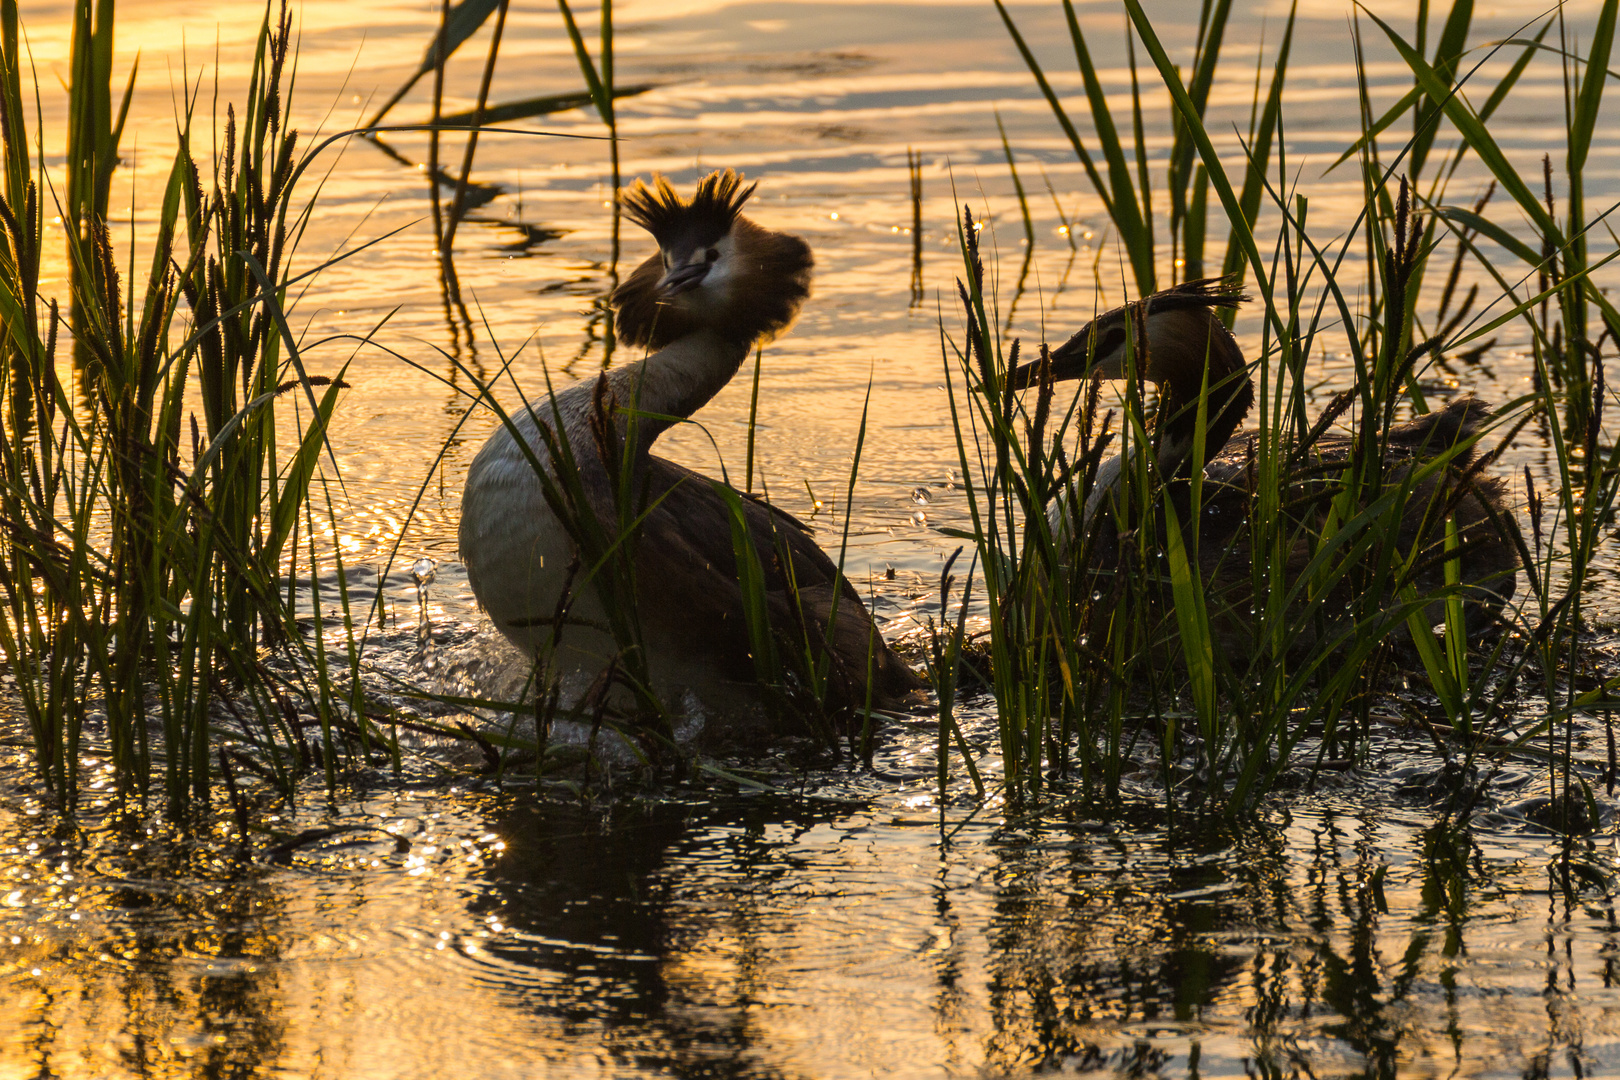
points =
(828, 932)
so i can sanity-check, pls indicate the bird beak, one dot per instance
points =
(1074, 359)
(683, 279)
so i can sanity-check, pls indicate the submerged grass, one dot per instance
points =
(1093, 660)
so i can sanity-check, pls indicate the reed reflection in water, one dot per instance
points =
(763, 937)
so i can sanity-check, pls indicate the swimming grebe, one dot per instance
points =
(718, 284)
(1172, 333)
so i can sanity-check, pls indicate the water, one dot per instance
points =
(821, 931)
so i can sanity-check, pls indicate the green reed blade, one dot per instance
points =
(1188, 214)
(1533, 302)
(751, 585)
(1448, 53)
(593, 81)
(1144, 185)
(1119, 194)
(823, 668)
(1018, 185)
(1192, 618)
(1206, 149)
(1259, 155)
(1585, 118)
(1130, 209)
(463, 22)
(1058, 111)
(1473, 131)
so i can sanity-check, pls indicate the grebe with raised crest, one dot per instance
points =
(718, 285)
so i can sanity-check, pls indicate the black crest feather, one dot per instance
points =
(659, 209)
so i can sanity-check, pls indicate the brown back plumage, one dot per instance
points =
(1203, 295)
(705, 608)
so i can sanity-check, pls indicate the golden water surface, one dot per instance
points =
(829, 933)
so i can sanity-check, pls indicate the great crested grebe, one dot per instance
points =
(1174, 334)
(718, 284)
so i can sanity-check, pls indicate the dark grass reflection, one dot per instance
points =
(760, 935)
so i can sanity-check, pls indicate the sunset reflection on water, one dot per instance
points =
(767, 935)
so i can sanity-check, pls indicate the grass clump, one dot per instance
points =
(147, 543)
(1117, 633)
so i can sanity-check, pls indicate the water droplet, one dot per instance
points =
(919, 518)
(424, 570)
(921, 497)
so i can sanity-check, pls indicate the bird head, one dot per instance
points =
(1171, 333)
(715, 269)
(1181, 347)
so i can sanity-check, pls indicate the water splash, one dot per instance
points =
(423, 571)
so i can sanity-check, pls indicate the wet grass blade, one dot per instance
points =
(463, 22)
(1118, 191)
(544, 105)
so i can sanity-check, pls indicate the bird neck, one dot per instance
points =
(1230, 394)
(675, 382)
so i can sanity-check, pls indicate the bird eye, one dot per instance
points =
(711, 255)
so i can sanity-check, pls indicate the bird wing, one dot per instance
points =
(687, 568)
